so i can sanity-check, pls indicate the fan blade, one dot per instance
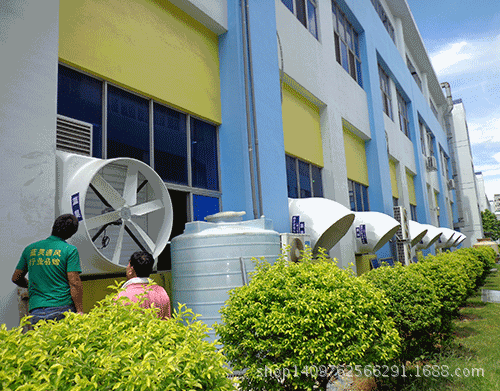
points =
(108, 192)
(146, 207)
(100, 220)
(130, 188)
(143, 235)
(118, 247)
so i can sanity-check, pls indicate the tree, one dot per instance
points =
(491, 226)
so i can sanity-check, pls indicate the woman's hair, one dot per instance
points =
(142, 262)
(65, 226)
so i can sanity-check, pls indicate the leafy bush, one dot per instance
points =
(414, 306)
(450, 282)
(295, 320)
(113, 347)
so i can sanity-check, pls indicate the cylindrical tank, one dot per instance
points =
(488, 242)
(211, 258)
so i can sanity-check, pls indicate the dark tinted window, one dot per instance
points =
(80, 97)
(128, 125)
(204, 155)
(170, 145)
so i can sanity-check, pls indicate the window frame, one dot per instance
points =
(186, 188)
(385, 19)
(385, 88)
(355, 196)
(404, 120)
(433, 108)
(296, 163)
(348, 37)
(413, 212)
(303, 18)
(414, 72)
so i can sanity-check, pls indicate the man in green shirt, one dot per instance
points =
(54, 273)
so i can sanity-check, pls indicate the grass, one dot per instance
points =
(474, 351)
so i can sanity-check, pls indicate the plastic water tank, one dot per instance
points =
(211, 258)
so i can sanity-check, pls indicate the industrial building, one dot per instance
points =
(236, 106)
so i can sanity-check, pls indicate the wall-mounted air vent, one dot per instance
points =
(73, 136)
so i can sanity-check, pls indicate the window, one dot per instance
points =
(404, 122)
(80, 97)
(414, 73)
(346, 44)
(433, 108)
(384, 18)
(128, 125)
(303, 179)
(430, 143)
(305, 11)
(413, 212)
(358, 196)
(444, 162)
(386, 92)
(183, 150)
(395, 201)
(423, 133)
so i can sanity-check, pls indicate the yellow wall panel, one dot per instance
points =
(394, 178)
(96, 290)
(411, 188)
(301, 127)
(355, 156)
(148, 46)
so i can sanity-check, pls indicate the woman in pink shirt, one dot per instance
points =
(139, 268)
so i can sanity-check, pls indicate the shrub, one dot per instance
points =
(450, 283)
(295, 320)
(414, 306)
(113, 347)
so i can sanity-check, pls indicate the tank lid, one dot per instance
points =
(226, 217)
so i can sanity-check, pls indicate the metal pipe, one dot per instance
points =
(447, 88)
(254, 111)
(247, 104)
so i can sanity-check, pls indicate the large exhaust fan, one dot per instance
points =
(122, 204)
(372, 230)
(324, 220)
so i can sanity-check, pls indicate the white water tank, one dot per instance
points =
(211, 258)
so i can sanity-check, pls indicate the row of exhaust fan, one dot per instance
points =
(327, 221)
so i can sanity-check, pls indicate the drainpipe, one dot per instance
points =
(253, 140)
(449, 99)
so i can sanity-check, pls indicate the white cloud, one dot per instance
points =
(466, 56)
(492, 187)
(448, 57)
(484, 130)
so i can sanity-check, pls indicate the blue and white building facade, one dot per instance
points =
(286, 98)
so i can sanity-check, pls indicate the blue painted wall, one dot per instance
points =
(235, 167)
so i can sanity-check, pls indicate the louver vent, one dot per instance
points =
(73, 136)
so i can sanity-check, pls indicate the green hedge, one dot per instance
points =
(294, 320)
(114, 347)
(425, 297)
(413, 304)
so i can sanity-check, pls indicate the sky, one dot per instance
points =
(462, 38)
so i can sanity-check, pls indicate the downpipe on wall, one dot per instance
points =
(252, 134)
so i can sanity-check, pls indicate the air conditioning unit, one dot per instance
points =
(73, 136)
(451, 184)
(297, 243)
(122, 204)
(403, 238)
(431, 163)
